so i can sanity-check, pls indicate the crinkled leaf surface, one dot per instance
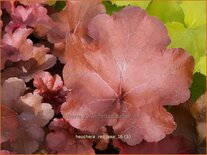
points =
(16, 46)
(11, 91)
(45, 82)
(27, 69)
(51, 89)
(31, 15)
(62, 139)
(126, 70)
(23, 117)
(34, 16)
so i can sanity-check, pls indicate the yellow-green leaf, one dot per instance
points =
(167, 11)
(191, 39)
(201, 65)
(195, 13)
(143, 4)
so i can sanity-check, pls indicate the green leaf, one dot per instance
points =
(59, 5)
(191, 39)
(143, 4)
(110, 8)
(199, 86)
(167, 11)
(195, 13)
(191, 35)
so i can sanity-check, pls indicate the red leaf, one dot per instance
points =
(169, 145)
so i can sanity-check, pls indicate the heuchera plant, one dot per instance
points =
(117, 73)
(51, 88)
(23, 117)
(80, 71)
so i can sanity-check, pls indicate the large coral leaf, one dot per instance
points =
(126, 69)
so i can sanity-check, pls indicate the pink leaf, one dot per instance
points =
(71, 21)
(63, 140)
(45, 82)
(23, 119)
(26, 70)
(16, 46)
(11, 91)
(51, 89)
(9, 122)
(32, 2)
(126, 70)
(6, 152)
(33, 16)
